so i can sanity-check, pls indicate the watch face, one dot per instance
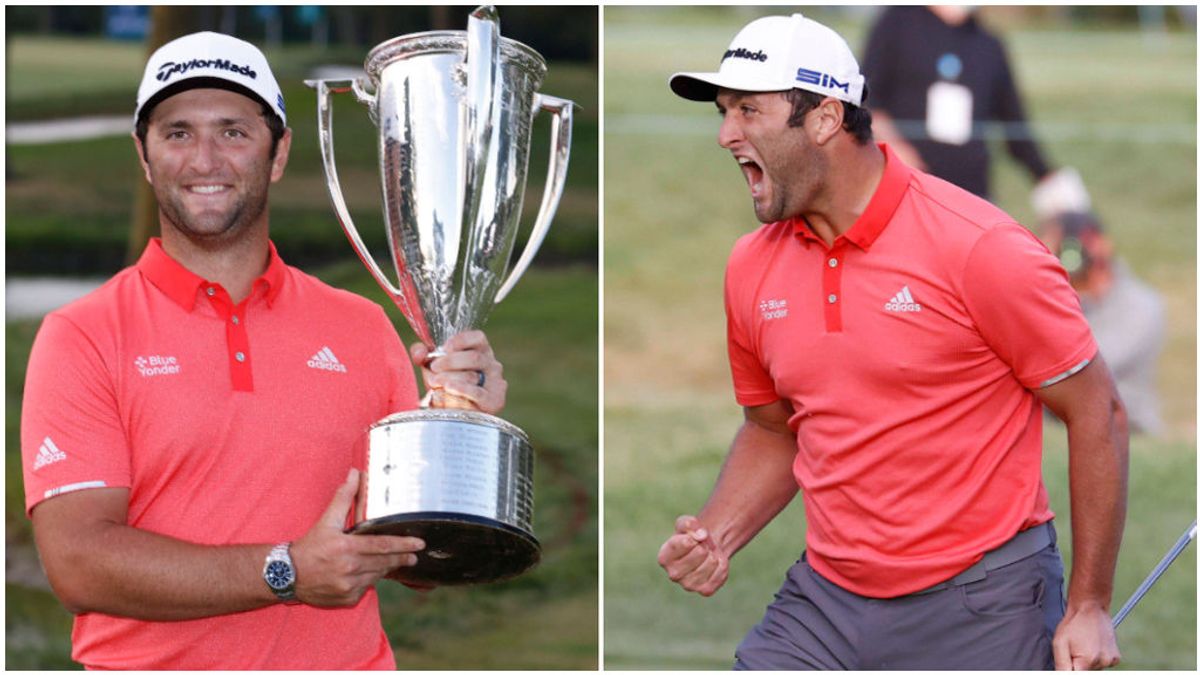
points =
(279, 575)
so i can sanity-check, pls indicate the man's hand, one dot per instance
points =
(1085, 640)
(335, 569)
(692, 559)
(467, 355)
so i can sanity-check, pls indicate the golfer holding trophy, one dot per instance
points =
(455, 114)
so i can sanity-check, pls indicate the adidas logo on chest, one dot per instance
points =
(325, 360)
(902, 302)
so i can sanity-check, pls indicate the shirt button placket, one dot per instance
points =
(833, 288)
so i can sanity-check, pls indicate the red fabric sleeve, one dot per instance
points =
(1024, 306)
(72, 436)
(752, 384)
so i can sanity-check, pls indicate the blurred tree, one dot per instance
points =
(75, 19)
(567, 32)
(344, 23)
(441, 18)
(378, 22)
(167, 22)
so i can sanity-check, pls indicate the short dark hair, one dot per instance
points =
(855, 119)
(274, 124)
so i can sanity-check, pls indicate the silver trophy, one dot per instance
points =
(455, 115)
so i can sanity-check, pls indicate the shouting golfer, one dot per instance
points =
(893, 339)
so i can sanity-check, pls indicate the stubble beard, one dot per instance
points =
(209, 229)
(794, 185)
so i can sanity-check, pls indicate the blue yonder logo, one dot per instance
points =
(820, 79)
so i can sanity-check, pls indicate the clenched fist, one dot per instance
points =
(693, 559)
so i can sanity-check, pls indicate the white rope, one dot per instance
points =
(632, 124)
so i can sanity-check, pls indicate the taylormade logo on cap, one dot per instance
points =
(777, 53)
(741, 53)
(166, 70)
(211, 56)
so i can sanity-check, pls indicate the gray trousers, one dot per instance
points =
(1002, 622)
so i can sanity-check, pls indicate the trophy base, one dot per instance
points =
(460, 549)
(462, 481)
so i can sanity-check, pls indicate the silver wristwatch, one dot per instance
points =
(280, 573)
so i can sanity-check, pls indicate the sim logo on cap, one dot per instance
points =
(820, 79)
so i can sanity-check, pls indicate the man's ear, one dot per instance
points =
(827, 120)
(141, 155)
(281, 155)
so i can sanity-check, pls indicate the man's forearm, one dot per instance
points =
(1099, 470)
(755, 484)
(124, 571)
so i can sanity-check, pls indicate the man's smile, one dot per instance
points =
(208, 189)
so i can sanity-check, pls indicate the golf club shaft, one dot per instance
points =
(1162, 566)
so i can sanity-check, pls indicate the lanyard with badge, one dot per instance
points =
(949, 104)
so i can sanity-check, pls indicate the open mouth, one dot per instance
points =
(753, 173)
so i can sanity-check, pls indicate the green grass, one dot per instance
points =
(67, 211)
(675, 203)
(38, 634)
(45, 78)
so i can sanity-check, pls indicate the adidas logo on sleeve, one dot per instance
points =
(902, 302)
(48, 453)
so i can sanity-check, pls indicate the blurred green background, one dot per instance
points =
(1105, 96)
(68, 212)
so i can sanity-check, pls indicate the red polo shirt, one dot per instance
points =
(909, 350)
(229, 425)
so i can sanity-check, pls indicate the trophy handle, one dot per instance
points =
(556, 177)
(325, 89)
(364, 97)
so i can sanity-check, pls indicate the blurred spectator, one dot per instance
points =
(1126, 315)
(935, 74)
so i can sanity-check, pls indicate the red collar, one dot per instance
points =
(181, 285)
(879, 210)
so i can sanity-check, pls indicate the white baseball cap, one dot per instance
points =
(777, 53)
(208, 59)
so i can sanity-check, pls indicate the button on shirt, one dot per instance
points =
(228, 424)
(910, 364)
